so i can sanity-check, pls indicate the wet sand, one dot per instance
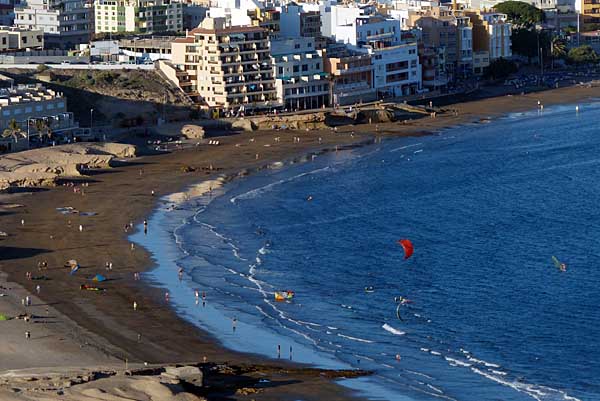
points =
(124, 194)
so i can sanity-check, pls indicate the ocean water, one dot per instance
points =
(486, 207)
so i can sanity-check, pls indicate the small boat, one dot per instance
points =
(284, 295)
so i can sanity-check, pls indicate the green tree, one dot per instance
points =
(501, 68)
(526, 42)
(583, 55)
(558, 49)
(521, 14)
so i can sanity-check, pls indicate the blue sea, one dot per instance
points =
(486, 207)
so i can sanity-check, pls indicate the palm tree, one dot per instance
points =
(11, 129)
(558, 49)
(40, 126)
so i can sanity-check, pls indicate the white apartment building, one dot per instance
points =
(369, 30)
(334, 16)
(299, 77)
(138, 16)
(225, 68)
(298, 20)
(465, 46)
(65, 23)
(27, 103)
(499, 32)
(396, 70)
(14, 39)
(235, 12)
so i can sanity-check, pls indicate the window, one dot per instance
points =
(318, 66)
(304, 67)
(296, 68)
(6, 112)
(18, 111)
(39, 108)
(280, 70)
(28, 109)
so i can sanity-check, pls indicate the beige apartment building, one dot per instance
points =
(225, 68)
(14, 38)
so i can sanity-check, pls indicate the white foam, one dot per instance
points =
(437, 390)
(498, 372)
(539, 393)
(456, 362)
(362, 340)
(405, 147)
(257, 191)
(418, 373)
(435, 353)
(392, 330)
(482, 362)
(418, 151)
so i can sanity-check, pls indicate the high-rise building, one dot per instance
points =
(138, 16)
(491, 33)
(66, 23)
(227, 68)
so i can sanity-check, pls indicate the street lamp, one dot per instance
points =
(28, 141)
(91, 120)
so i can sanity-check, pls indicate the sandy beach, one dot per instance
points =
(84, 328)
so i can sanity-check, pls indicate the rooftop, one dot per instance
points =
(26, 94)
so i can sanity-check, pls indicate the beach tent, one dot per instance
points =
(3, 317)
(99, 277)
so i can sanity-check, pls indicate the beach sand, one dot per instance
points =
(124, 194)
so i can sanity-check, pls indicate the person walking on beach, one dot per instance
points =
(234, 323)
(38, 289)
(27, 335)
(167, 296)
(27, 300)
(135, 305)
(180, 273)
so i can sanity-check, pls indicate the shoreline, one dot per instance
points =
(104, 238)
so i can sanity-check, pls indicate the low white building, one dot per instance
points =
(26, 104)
(299, 77)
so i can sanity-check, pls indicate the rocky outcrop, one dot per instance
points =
(43, 167)
(243, 124)
(375, 116)
(192, 131)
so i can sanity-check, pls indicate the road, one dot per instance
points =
(82, 66)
